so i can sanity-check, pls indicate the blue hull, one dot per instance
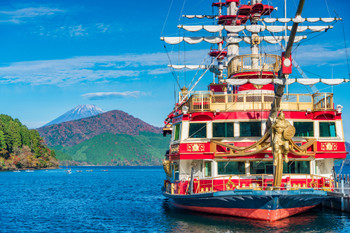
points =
(264, 205)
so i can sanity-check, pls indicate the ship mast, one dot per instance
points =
(286, 69)
(232, 45)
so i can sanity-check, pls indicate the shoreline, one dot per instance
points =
(30, 168)
(64, 167)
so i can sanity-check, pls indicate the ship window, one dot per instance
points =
(207, 168)
(250, 129)
(327, 129)
(304, 129)
(177, 132)
(261, 167)
(222, 130)
(296, 167)
(231, 168)
(198, 130)
(176, 171)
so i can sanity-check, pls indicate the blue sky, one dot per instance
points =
(57, 54)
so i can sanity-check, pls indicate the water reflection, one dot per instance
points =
(315, 220)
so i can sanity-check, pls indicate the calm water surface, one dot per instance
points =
(126, 199)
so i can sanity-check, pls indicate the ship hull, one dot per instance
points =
(262, 205)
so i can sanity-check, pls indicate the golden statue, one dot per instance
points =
(282, 132)
(166, 166)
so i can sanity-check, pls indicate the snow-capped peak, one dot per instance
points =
(87, 108)
(80, 111)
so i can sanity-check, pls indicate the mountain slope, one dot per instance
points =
(107, 149)
(79, 112)
(74, 132)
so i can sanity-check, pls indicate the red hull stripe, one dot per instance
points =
(261, 214)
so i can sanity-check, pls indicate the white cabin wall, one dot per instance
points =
(214, 168)
(313, 167)
(185, 130)
(339, 129)
(247, 167)
(185, 169)
(324, 167)
(263, 127)
(210, 129)
(236, 129)
(316, 129)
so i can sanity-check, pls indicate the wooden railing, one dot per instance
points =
(256, 182)
(201, 102)
(323, 101)
(258, 63)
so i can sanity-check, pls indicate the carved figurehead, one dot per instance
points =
(282, 132)
(166, 167)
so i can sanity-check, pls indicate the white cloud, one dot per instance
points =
(104, 69)
(34, 124)
(24, 14)
(72, 30)
(76, 31)
(320, 54)
(113, 95)
(159, 71)
(102, 27)
(89, 68)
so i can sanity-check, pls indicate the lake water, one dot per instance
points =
(124, 199)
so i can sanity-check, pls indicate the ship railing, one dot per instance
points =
(254, 182)
(254, 63)
(342, 184)
(323, 101)
(208, 101)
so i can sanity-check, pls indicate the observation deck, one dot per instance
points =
(253, 63)
(211, 102)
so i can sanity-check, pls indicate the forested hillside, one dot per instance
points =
(21, 147)
(144, 149)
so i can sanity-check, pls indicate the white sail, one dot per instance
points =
(217, 39)
(190, 67)
(193, 40)
(172, 40)
(214, 28)
(273, 20)
(333, 81)
(303, 81)
(195, 28)
(255, 28)
(200, 16)
(260, 81)
(275, 28)
(278, 39)
(299, 20)
(251, 28)
(311, 28)
(213, 40)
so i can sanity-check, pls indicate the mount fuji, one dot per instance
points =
(79, 112)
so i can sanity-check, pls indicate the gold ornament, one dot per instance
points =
(255, 40)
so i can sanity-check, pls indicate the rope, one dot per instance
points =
(167, 16)
(341, 168)
(327, 8)
(345, 45)
(172, 69)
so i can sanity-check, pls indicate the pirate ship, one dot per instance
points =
(244, 147)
